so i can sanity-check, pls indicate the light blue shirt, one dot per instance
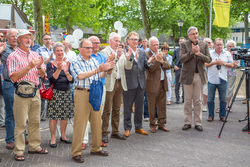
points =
(101, 58)
(162, 72)
(169, 59)
(147, 49)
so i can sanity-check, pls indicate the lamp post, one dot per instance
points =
(180, 24)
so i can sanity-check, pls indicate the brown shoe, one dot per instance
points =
(26, 141)
(141, 131)
(127, 133)
(199, 127)
(10, 145)
(186, 127)
(223, 119)
(83, 146)
(101, 153)
(118, 136)
(103, 145)
(105, 138)
(164, 129)
(78, 159)
(210, 119)
(244, 102)
(153, 130)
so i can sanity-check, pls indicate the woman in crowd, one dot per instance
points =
(61, 107)
(165, 48)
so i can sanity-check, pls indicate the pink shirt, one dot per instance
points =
(18, 60)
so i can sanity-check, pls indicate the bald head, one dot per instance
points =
(11, 37)
(95, 43)
(66, 44)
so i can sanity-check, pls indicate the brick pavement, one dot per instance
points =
(176, 148)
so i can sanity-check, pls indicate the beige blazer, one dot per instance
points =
(187, 58)
(123, 63)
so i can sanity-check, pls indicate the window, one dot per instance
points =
(236, 39)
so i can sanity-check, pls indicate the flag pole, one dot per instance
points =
(210, 24)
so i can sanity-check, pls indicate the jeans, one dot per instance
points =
(1, 111)
(222, 89)
(46, 84)
(8, 95)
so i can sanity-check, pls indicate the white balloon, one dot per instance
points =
(78, 33)
(75, 45)
(122, 32)
(70, 38)
(118, 25)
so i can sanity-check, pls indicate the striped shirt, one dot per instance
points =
(80, 65)
(19, 60)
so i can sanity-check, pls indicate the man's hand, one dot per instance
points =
(220, 62)
(111, 56)
(119, 52)
(176, 68)
(106, 66)
(128, 53)
(2, 46)
(35, 62)
(196, 49)
(150, 60)
(159, 57)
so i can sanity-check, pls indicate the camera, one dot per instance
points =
(218, 67)
(241, 54)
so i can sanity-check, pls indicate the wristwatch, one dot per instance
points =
(225, 64)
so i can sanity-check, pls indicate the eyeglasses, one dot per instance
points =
(134, 39)
(87, 47)
(47, 39)
(219, 44)
(194, 33)
(96, 43)
(208, 42)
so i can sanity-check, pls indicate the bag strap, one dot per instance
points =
(53, 73)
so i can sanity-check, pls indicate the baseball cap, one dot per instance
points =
(23, 32)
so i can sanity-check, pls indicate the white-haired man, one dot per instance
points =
(157, 86)
(68, 54)
(115, 84)
(193, 56)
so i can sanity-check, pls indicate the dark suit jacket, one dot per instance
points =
(176, 55)
(153, 75)
(136, 75)
(187, 58)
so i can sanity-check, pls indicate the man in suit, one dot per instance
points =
(177, 69)
(136, 83)
(115, 84)
(193, 56)
(157, 85)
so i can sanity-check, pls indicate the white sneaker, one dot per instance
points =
(192, 107)
(146, 119)
(204, 108)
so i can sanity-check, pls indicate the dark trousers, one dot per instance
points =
(129, 97)
(177, 85)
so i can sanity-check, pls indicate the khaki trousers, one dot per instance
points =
(158, 100)
(83, 113)
(113, 99)
(193, 93)
(22, 107)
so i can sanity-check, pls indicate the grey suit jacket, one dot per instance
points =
(187, 57)
(176, 55)
(136, 75)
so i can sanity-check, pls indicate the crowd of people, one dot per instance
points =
(131, 73)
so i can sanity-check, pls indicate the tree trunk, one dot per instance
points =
(68, 27)
(246, 26)
(146, 25)
(206, 12)
(173, 37)
(38, 20)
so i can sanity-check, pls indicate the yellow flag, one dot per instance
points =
(222, 10)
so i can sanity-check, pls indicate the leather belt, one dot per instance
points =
(83, 89)
(162, 80)
(7, 80)
(118, 80)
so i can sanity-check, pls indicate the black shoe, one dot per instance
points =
(65, 141)
(245, 129)
(118, 136)
(177, 102)
(186, 127)
(105, 139)
(43, 119)
(182, 100)
(52, 145)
